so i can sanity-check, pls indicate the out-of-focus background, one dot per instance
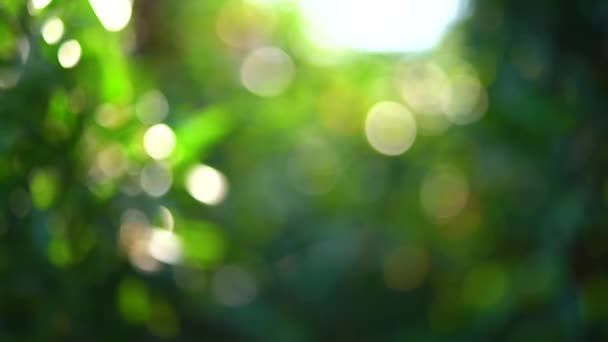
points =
(313, 170)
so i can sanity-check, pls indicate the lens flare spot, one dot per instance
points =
(164, 246)
(52, 30)
(267, 71)
(69, 54)
(468, 101)
(159, 141)
(206, 184)
(390, 128)
(425, 89)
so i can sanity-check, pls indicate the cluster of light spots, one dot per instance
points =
(155, 179)
(383, 25)
(145, 245)
(425, 88)
(390, 128)
(468, 100)
(267, 71)
(52, 30)
(159, 141)
(406, 268)
(35, 6)
(69, 54)
(206, 184)
(313, 167)
(114, 15)
(233, 286)
(152, 107)
(439, 100)
(444, 193)
(244, 26)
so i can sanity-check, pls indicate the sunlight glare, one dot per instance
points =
(382, 25)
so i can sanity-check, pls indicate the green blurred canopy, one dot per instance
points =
(228, 171)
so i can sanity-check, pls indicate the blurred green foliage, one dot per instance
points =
(294, 228)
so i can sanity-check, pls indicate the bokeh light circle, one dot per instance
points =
(390, 128)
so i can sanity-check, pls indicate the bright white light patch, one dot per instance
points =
(380, 25)
(52, 30)
(159, 141)
(69, 54)
(113, 14)
(206, 184)
(164, 246)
